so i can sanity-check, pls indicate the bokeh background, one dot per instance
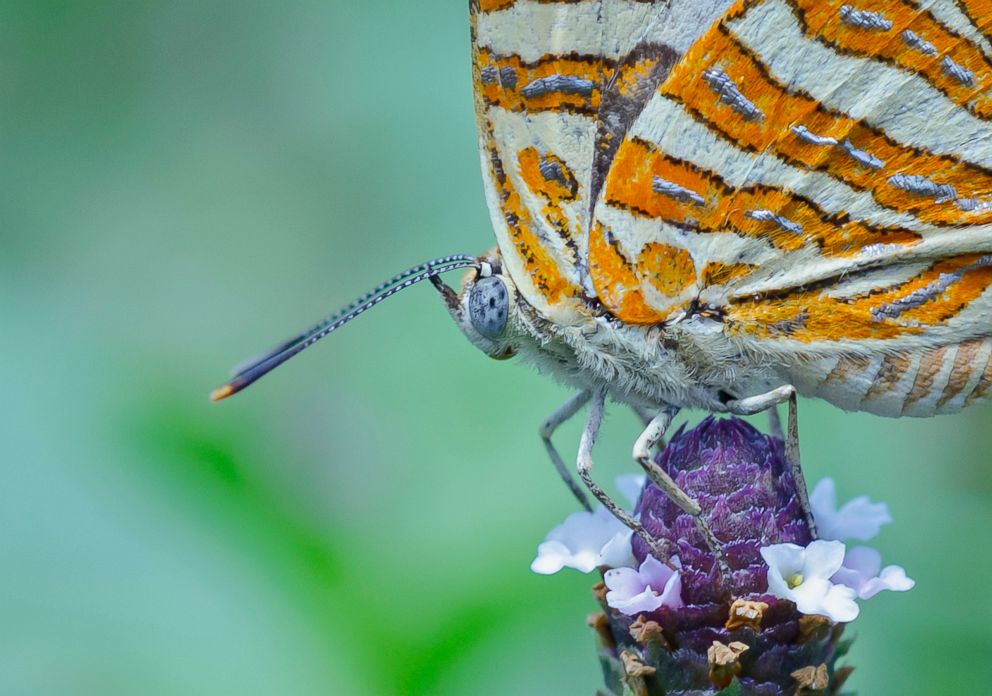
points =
(184, 183)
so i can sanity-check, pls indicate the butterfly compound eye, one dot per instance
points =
(488, 306)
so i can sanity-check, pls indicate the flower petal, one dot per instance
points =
(580, 541)
(809, 595)
(552, 556)
(892, 578)
(858, 519)
(839, 604)
(864, 560)
(861, 519)
(671, 596)
(647, 600)
(823, 501)
(823, 559)
(617, 551)
(625, 582)
(784, 559)
(820, 596)
(655, 573)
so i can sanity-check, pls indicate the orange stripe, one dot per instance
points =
(630, 185)
(540, 265)
(511, 94)
(931, 363)
(669, 269)
(810, 315)
(495, 5)
(784, 110)
(889, 375)
(961, 371)
(978, 11)
(821, 19)
(974, 283)
(552, 189)
(984, 385)
(716, 273)
(616, 281)
(847, 367)
(560, 187)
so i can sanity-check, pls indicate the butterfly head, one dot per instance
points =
(485, 308)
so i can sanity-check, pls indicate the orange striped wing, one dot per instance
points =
(557, 85)
(815, 175)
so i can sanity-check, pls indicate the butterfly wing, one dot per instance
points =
(557, 85)
(818, 175)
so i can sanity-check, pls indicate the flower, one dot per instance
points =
(585, 541)
(862, 571)
(859, 519)
(588, 540)
(650, 587)
(749, 498)
(803, 576)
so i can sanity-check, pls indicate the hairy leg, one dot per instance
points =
(652, 434)
(548, 427)
(659, 547)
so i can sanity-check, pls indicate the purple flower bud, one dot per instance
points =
(730, 630)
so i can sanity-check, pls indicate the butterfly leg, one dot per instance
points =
(775, 423)
(548, 427)
(762, 402)
(659, 547)
(653, 434)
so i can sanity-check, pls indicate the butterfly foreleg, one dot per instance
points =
(659, 547)
(548, 427)
(652, 435)
(769, 400)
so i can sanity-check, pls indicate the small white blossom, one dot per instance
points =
(649, 587)
(859, 518)
(588, 540)
(862, 571)
(585, 541)
(803, 575)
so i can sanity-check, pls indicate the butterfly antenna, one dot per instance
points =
(251, 371)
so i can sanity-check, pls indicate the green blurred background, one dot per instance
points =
(183, 184)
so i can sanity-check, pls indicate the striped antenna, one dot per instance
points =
(250, 371)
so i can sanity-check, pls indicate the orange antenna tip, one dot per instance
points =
(221, 393)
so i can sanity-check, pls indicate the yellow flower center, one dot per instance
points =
(795, 581)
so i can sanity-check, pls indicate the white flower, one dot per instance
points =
(585, 541)
(651, 586)
(588, 540)
(862, 571)
(802, 575)
(859, 518)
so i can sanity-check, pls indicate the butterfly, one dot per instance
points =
(720, 205)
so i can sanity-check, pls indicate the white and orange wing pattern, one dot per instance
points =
(817, 174)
